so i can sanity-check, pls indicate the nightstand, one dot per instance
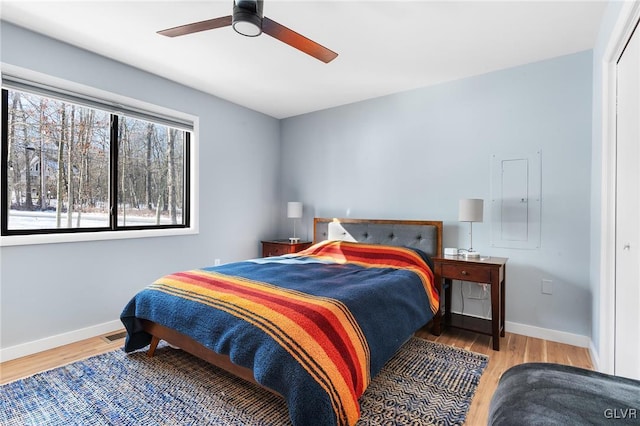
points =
(485, 270)
(280, 247)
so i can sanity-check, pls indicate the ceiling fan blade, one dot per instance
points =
(296, 40)
(195, 27)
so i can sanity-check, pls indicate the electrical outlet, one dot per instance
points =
(216, 262)
(547, 286)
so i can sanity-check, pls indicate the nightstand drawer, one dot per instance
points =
(280, 247)
(478, 274)
(274, 249)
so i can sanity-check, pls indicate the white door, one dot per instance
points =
(627, 290)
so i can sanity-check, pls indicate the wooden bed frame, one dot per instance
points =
(187, 344)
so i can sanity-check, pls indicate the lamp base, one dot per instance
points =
(294, 240)
(471, 253)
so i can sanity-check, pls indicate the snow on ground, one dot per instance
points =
(19, 219)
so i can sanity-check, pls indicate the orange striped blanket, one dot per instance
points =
(314, 326)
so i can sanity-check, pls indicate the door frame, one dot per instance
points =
(627, 19)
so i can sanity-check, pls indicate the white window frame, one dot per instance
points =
(113, 98)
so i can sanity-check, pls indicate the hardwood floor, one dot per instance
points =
(47, 360)
(515, 349)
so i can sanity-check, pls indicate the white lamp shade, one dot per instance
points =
(470, 210)
(294, 209)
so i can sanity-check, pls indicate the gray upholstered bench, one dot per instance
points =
(553, 394)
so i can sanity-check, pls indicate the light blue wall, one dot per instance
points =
(410, 155)
(413, 155)
(55, 288)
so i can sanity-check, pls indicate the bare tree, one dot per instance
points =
(60, 177)
(158, 208)
(123, 137)
(148, 175)
(171, 175)
(27, 156)
(11, 152)
(70, 137)
(83, 149)
(41, 155)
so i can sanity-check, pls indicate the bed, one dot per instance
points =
(313, 327)
(554, 394)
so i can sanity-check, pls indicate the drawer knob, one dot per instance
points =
(464, 272)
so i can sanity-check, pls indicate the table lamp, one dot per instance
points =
(294, 211)
(470, 210)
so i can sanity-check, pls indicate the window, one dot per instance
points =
(151, 170)
(71, 164)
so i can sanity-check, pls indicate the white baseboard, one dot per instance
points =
(549, 334)
(544, 333)
(30, 348)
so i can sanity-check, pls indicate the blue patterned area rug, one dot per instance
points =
(425, 383)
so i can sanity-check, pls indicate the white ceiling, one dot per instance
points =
(384, 46)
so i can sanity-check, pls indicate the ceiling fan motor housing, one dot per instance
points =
(247, 17)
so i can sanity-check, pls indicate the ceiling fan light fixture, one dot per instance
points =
(247, 24)
(247, 17)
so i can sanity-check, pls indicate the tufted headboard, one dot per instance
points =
(422, 234)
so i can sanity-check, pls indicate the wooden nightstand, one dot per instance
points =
(487, 270)
(280, 247)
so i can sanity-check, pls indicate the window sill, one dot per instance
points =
(23, 240)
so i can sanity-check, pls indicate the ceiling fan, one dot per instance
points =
(247, 19)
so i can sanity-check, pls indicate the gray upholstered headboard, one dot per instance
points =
(421, 234)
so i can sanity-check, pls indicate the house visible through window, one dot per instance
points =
(68, 167)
